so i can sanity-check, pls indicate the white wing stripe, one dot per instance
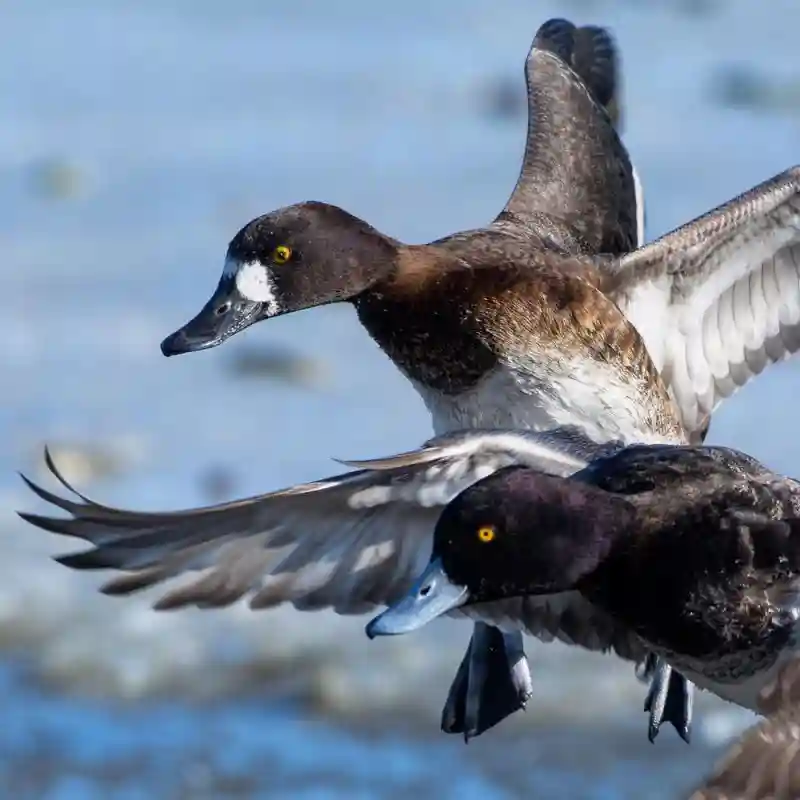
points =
(638, 192)
(308, 546)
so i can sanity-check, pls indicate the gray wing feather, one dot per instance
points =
(718, 300)
(354, 542)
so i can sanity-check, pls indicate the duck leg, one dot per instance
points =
(493, 681)
(669, 699)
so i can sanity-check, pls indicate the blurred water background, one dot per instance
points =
(136, 138)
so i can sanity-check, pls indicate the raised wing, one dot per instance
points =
(575, 169)
(718, 300)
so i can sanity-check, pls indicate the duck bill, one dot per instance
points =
(431, 596)
(226, 313)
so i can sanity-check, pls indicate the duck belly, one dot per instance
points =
(739, 678)
(743, 693)
(588, 395)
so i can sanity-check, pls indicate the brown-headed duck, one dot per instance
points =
(501, 326)
(517, 324)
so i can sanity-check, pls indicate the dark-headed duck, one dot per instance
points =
(693, 549)
(354, 542)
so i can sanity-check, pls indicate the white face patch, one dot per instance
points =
(254, 282)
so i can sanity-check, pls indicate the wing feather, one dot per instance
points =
(353, 542)
(718, 300)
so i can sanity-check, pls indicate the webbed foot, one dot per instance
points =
(493, 681)
(670, 699)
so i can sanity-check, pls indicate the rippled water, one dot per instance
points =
(136, 139)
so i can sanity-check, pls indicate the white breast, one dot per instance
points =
(540, 396)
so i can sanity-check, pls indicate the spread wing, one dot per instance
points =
(575, 168)
(718, 300)
(354, 542)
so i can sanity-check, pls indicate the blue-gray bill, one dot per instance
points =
(430, 597)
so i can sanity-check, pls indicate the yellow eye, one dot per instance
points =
(281, 254)
(486, 533)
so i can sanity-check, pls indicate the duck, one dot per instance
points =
(505, 329)
(354, 543)
(577, 193)
(514, 325)
(694, 549)
(455, 315)
(764, 764)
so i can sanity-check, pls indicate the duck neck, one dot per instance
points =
(418, 314)
(672, 586)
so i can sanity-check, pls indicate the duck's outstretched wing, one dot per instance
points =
(765, 763)
(575, 169)
(718, 300)
(354, 542)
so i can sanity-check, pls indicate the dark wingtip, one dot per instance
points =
(595, 59)
(51, 465)
(132, 582)
(168, 345)
(50, 524)
(28, 482)
(48, 497)
(557, 36)
(591, 51)
(48, 460)
(81, 560)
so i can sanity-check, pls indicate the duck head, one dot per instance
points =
(517, 532)
(297, 257)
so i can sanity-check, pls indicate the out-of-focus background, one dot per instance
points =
(136, 138)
